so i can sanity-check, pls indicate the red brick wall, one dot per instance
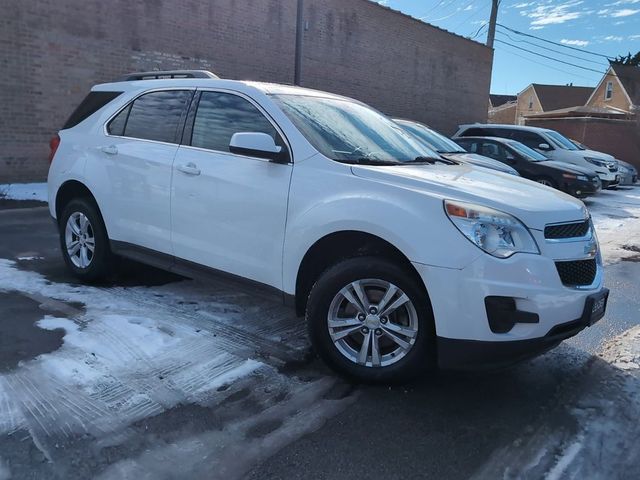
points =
(620, 138)
(51, 53)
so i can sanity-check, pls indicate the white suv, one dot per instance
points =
(551, 144)
(400, 259)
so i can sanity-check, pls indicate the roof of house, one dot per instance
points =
(582, 111)
(629, 76)
(554, 97)
(497, 100)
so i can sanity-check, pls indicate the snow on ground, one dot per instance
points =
(133, 354)
(24, 191)
(616, 216)
(599, 439)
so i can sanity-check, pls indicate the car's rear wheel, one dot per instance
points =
(370, 320)
(83, 240)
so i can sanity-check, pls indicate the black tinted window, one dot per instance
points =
(90, 105)
(117, 123)
(530, 139)
(220, 115)
(474, 132)
(157, 115)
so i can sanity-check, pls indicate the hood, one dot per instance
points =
(569, 167)
(534, 204)
(598, 155)
(481, 161)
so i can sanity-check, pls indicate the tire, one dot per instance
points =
(96, 265)
(547, 181)
(376, 276)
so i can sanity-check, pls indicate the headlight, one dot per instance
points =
(497, 233)
(595, 161)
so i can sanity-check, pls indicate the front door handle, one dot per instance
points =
(110, 150)
(190, 169)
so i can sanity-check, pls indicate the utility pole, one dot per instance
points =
(491, 35)
(297, 71)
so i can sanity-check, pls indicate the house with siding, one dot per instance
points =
(502, 108)
(618, 90)
(538, 98)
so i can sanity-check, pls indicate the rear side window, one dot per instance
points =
(530, 139)
(155, 116)
(474, 132)
(220, 115)
(93, 102)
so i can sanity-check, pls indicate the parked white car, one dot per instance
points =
(551, 144)
(400, 261)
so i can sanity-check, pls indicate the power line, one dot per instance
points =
(551, 49)
(550, 58)
(555, 43)
(544, 64)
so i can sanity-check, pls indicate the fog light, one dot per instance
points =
(502, 314)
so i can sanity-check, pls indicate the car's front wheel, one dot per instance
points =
(370, 320)
(83, 240)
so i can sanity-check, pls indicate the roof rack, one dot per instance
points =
(162, 74)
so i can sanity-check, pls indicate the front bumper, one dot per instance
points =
(472, 354)
(458, 300)
(581, 188)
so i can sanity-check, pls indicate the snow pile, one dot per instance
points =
(24, 191)
(616, 216)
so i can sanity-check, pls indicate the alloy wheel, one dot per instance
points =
(79, 240)
(372, 322)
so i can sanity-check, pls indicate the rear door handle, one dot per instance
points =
(190, 169)
(110, 150)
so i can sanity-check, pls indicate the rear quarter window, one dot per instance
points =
(93, 102)
(157, 116)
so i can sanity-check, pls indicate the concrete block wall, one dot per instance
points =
(51, 53)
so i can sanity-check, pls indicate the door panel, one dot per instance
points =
(136, 163)
(228, 211)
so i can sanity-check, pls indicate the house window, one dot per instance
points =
(531, 102)
(608, 93)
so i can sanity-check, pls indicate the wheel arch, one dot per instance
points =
(341, 245)
(70, 190)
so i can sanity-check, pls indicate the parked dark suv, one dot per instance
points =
(572, 179)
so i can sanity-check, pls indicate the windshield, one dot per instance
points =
(526, 152)
(348, 131)
(561, 140)
(436, 141)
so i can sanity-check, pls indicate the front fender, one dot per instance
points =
(411, 221)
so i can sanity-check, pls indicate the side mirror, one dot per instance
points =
(257, 144)
(544, 146)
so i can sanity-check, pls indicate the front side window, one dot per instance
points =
(608, 93)
(220, 115)
(561, 140)
(531, 102)
(351, 132)
(527, 153)
(152, 116)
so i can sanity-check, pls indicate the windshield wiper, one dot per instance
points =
(369, 161)
(431, 160)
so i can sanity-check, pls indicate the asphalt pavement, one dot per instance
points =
(273, 411)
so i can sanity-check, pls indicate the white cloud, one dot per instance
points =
(613, 38)
(634, 37)
(550, 14)
(576, 43)
(625, 12)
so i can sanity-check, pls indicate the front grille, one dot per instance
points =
(577, 273)
(566, 230)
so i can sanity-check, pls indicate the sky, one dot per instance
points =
(609, 28)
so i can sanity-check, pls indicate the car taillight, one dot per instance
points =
(54, 143)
